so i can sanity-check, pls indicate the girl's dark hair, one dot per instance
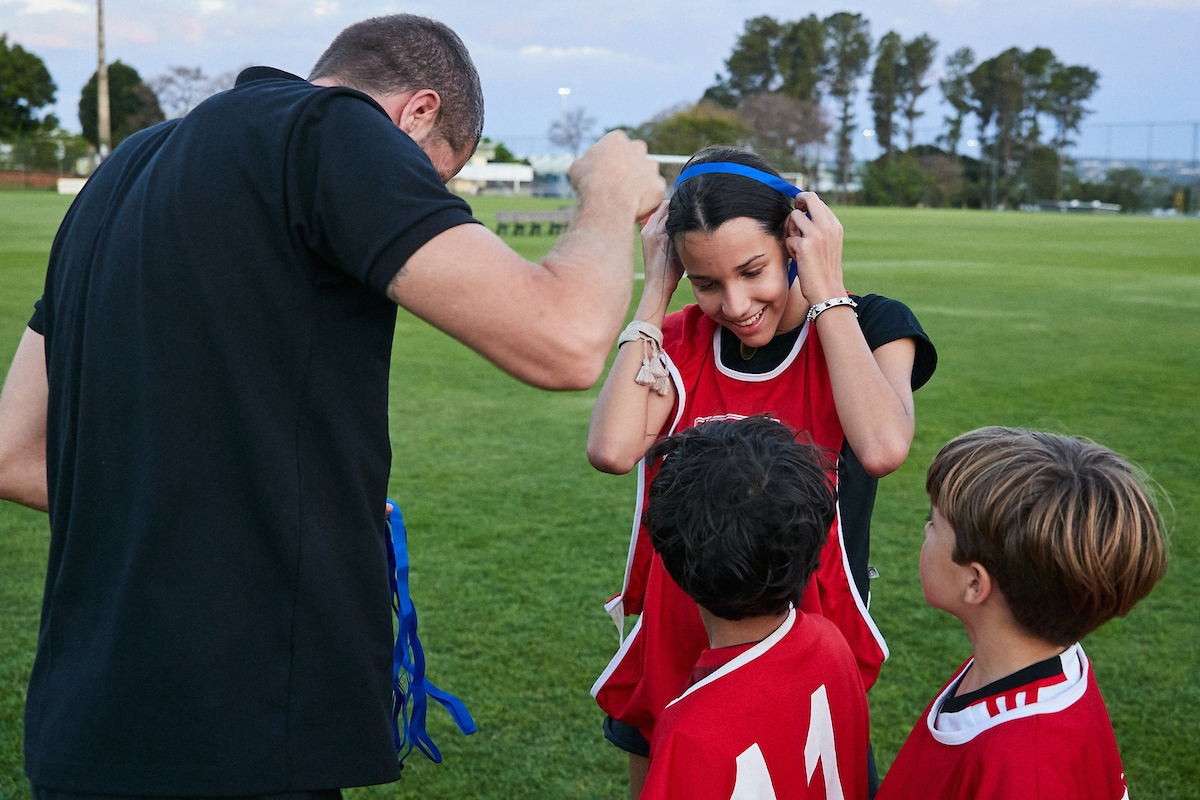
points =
(739, 512)
(706, 202)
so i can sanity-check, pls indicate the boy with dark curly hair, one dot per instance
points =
(776, 707)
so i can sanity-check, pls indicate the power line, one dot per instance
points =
(1150, 126)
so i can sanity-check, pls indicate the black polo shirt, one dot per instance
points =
(216, 615)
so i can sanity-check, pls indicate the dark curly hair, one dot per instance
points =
(738, 512)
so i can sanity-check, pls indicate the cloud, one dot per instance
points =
(1159, 5)
(129, 29)
(49, 6)
(569, 53)
(326, 7)
(48, 40)
(211, 6)
(508, 29)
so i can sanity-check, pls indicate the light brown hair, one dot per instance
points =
(1067, 528)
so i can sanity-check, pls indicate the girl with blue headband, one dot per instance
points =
(773, 330)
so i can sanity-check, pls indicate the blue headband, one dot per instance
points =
(709, 167)
(725, 167)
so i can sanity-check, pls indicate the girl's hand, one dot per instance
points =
(663, 267)
(816, 244)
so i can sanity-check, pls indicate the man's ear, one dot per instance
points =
(979, 584)
(418, 115)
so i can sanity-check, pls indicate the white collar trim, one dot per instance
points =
(765, 376)
(744, 658)
(961, 727)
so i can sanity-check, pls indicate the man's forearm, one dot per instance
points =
(593, 262)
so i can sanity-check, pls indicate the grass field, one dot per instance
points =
(1087, 325)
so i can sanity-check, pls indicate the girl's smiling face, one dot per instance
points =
(739, 275)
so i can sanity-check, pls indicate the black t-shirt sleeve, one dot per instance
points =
(884, 320)
(37, 323)
(366, 196)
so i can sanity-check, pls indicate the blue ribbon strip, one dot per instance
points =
(729, 168)
(410, 689)
(709, 167)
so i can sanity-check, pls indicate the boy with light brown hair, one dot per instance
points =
(1034, 540)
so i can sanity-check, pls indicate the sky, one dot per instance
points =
(626, 61)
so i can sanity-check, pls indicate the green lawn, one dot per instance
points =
(1075, 324)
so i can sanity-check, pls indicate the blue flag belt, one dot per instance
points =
(410, 688)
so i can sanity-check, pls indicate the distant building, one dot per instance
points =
(550, 173)
(492, 177)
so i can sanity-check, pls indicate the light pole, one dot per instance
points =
(103, 119)
(563, 92)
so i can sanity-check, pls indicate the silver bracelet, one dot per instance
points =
(815, 310)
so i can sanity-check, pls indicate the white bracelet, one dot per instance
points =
(815, 311)
(639, 329)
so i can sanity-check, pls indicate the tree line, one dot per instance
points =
(35, 136)
(790, 88)
(787, 86)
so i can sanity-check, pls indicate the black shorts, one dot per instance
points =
(322, 794)
(626, 737)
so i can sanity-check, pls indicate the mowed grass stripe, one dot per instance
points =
(1076, 324)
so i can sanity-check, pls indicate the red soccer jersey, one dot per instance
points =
(1047, 739)
(786, 718)
(653, 664)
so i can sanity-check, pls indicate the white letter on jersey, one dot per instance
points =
(753, 780)
(819, 745)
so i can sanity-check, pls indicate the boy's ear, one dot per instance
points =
(979, 584)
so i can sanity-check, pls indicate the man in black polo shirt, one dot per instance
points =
(205, 382)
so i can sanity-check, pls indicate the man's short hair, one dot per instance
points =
(406, 53)
(1067, 528)
(739, 512)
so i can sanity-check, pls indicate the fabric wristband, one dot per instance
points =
(639, 329)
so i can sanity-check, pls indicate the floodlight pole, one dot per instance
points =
(103, 118)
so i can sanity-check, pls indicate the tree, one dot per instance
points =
(799, 54)
(505, 156)
(132, 104)
(180, 89)
(1039, 64)
(957, 90)
(849, 48)
(944, 176)
(751, 65)
(918, 58)
(998, 97)
(25, 87)
(572, 130)
(893, 182)
(683, 130)
(1069, 88)
(783, 130)
(885, 88)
